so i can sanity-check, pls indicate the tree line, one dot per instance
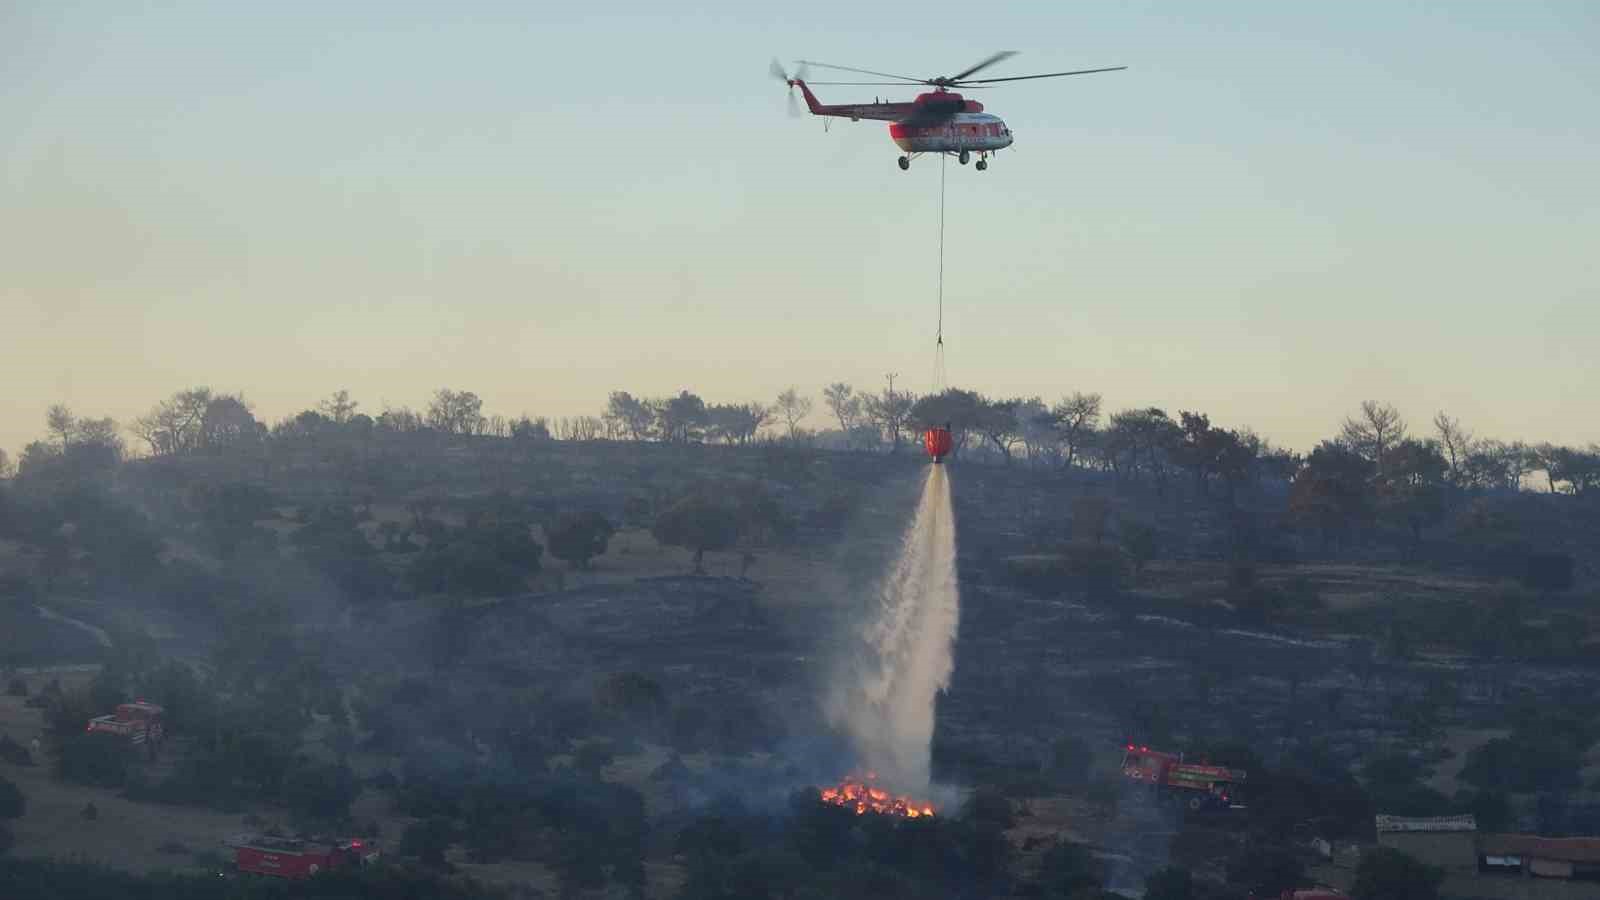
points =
(1375, 446)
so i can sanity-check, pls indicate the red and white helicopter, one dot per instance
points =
(938, 121)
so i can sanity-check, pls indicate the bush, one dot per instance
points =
(427, 841)
(94, 758)
(14, 753)
(700, 524)
(12, 803)
(320, 792)
(1521, 764)
(1549, 572)
(578, 537)
(1387, 874)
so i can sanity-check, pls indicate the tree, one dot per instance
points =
(455, 412)
(998, 421)
(845, 405)
(1413, 492)
(175, 425)
(1387, 874)
(628, 415)
(578, 537)
(1076, 418)
(1139, 542)
(1374, 432)
(526, 429)
(961, 411)
(889, 412)
(1332, 491)
(228, 423)
(60, 422)
(8, 469)
(681, 419)
(737, 423)
(698, 523)
(1457, 443)
(794, 407)
(338, 407)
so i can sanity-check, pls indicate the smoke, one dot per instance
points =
(883, 698)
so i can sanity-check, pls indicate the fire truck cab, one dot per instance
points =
(286, 857)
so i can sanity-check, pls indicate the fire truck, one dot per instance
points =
(140, 722)
(1190, 786)
(293, 857)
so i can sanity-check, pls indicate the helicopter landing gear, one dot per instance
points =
(905, 163)
(964, 157)
(981, 164)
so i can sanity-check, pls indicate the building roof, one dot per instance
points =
(1575, 849)
(1395, 824)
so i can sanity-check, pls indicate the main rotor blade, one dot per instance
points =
(1003, 54)
(806, 62)
(894, 83)
(1050, 75)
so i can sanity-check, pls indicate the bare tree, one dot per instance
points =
(793, 407)
(846, 406)
(8, 469)
(890, 411)
(585, 428)
(398, 419)
(1375, 432)
(177, 424)
(1077, 418)
(339, 407)
(1457, 443)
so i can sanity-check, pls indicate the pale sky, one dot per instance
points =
(1278, 211)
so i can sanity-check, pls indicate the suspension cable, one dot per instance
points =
(938, 345)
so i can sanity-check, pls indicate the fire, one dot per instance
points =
(860, 794)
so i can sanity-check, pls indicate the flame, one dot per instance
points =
(860, 795)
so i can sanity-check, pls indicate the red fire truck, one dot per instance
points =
(1191, 786)
(286, 857)
(140, 722)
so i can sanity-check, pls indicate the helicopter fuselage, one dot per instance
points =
(974, 132)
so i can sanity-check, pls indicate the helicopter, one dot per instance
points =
(937, 121)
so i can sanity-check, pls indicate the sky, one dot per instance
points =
(1277, 212)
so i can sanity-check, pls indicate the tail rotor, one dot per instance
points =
(779, 73)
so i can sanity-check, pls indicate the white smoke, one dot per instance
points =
(884, 699)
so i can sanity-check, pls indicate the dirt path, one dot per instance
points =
(99, 633)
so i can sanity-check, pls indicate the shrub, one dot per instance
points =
(427, 841)
(578, 537)
(1387, 874)
(94, 758)
(12, 803)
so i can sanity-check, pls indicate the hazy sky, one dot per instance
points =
(1278, 211)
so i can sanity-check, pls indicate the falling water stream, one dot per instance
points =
(885, 700)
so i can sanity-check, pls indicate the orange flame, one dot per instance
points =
(859, 794)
